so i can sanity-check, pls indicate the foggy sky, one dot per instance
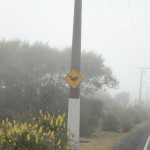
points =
(119, 32)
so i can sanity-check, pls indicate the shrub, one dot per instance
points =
(123, 119)
(111, 122)
(91, 111)
(139, 114)
(126, 121)
(46, 132)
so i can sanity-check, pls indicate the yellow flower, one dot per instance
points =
(28, 137)
(1, 132)
(36, 139)
(64, 114)
(61, 121)
(45, 117)
(3, 122)
(52, 134)
(49, 133)
(29, 125)
(51, 123)
(56, 122)
(8, 134)
(36, 125)
(58, 143)
(10, 125)
(41, 113)
(34, 132)
(40, 130)
(48, 115)
(59, 117)
(7, 120)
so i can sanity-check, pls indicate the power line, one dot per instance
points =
(108, 29)
(122, 33)
(118, 23)
(134, 26)
(104, 21)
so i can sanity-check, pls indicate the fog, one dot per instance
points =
(118, 30)
(52, 99)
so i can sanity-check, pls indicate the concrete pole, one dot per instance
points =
(141, 80)
(148, 94)
(74, 96)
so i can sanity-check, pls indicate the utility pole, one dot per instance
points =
(74, 96)
(148, 88)
(143, 70)
(141, 80)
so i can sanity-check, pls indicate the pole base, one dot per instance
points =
(74, 121)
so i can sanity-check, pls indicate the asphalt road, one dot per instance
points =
(148, 146)
(136, 141)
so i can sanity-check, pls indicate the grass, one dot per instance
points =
(106, 140)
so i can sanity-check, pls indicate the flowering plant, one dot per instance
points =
(46, 132)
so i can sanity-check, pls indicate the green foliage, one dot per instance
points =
(122, 120)
(97, 75)
(126, 120)
(139, 113)
(91, 111)
(111, 122)
(44, 132)
(32, 76)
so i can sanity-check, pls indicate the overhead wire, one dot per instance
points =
(131, 54)
(134, 26)
(119, 25)
(108, 29)
(105, 23)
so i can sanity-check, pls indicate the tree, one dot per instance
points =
(33, 75)
(123, 98)
(96, 74)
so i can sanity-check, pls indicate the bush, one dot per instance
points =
(123, 119)
(46, 132)
(139, 114)
(91, 111)
(111, 122)
(126, 121)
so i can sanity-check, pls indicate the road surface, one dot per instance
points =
(137, 140)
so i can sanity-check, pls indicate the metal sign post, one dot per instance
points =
(74, 78)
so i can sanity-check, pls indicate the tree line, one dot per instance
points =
(32, 78)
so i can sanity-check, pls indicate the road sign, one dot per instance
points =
(74, 79)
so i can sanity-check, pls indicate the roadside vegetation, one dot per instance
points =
(32, 79)
(122, 120)
(112, 114)
(44, 132)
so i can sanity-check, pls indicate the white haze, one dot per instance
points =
(120, 34)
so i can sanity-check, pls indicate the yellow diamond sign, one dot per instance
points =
(74, 79)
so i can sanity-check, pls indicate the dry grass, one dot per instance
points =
(106, 140)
